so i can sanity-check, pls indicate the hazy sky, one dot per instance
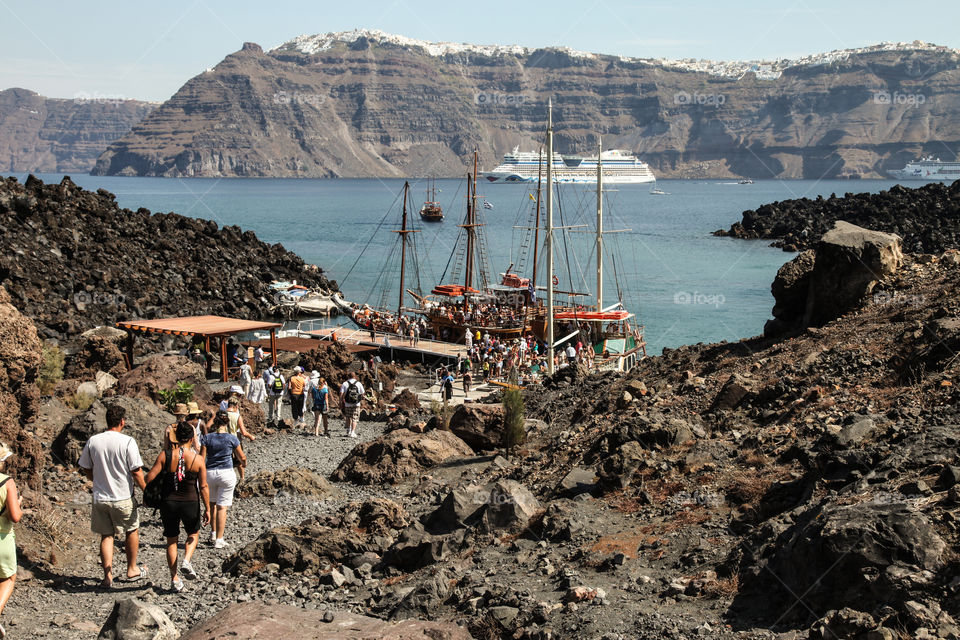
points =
(133, 49)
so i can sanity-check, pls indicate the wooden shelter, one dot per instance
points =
(206, 327)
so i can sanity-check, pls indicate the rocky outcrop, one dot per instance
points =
(397, 455)
(249, 620)
(20, 361)
(927, 218)
(162, 373)
(146, 424)
(72, 260)
(368, 104)
(55, 135)
(818, 286)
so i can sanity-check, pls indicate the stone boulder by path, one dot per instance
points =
(314, 545)
(249, 620)
(145, 424)
(133, 619)
(821, 285)
(162, 372)
(479, 425)
(97, 354)
(397, 455)
(20, 361)
(291, 480)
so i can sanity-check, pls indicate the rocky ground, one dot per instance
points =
(72, 259)
(927, 218)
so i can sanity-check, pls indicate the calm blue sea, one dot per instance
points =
(685, 285)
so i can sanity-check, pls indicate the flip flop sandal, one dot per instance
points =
(143, 574)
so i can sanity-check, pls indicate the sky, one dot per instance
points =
(129, 49)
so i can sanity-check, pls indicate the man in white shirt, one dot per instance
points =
(112, 460)
(351, 395)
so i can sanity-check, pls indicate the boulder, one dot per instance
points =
(293, 480)
(479, 425)
(845, 623)
(510, 506)
(406, 400)
(733, 392)
(850, 261)
(577, 481)
(861, 556)
(397, 455)
(417, 548)
(250, 620)
(133, 619)
(854, 433)
(20, 361)
(88, 389)
(146, 424)
(461, 508)
(104, 381)
(560, 522)
(163, 372)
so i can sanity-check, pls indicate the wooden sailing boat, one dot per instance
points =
(431, 211)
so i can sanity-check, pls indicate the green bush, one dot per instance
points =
(51, 369)
(514, 434)
(80, 401)
(180, 394)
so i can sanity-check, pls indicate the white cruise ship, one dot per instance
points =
(618, 167)
(927, 169)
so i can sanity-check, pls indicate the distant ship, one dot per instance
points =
(927, 169)
(619, 166)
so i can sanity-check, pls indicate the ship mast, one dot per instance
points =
(468, 277)
(403, 245)
(599, 228)
(549, 236)
(536, 220)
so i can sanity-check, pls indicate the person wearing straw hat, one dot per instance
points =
(112, 460)
(181, 411)
(10, 513)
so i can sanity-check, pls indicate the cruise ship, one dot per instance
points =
(927, 169)
(619, 166)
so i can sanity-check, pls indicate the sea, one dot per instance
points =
(684, 285)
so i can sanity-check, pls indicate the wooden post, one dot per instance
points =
(130, 340)
(273, 346)
(223, 360)
(206, 355)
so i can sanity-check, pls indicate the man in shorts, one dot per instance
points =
(351, 395)
(112, 460)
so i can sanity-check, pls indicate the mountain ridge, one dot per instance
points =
(369, 104)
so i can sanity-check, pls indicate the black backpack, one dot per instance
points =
(353, 395)
(277, 384)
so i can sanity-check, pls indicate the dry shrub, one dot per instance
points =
(627, 543)
(620, 501)
(80, 401)
(722, 587)
(747, 486)
(694, 515)
(755, 458)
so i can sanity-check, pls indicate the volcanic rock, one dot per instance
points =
(250, 620)
(397, 455)
(97, 354)
(162, 373)
(291, 480)
(479, 425)
(20, 360)
(134, 619)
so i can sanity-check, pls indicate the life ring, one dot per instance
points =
(556, 281)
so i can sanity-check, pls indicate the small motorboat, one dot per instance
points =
(746, 181)
(656, 191)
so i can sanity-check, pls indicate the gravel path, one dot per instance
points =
(72, 606)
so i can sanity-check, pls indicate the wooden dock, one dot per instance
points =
(361, 337)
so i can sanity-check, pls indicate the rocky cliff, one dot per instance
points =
(55, 135)
(365, 103)
(72, 259)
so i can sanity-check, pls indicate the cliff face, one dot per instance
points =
(369, 104)
(56, 135)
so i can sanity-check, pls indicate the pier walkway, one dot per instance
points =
(427, 349)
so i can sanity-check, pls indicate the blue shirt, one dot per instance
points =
(220, 448)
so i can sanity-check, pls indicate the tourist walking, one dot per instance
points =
(112, 460)
(446, 387)
(220, 449)
(321, 406)
(258, 390)
(275, 385)
(235, 421)
(184, 492)
(351, 395)
(181, 411)
(296, 387)
(467, 379)
(246, 376)
(10, 514)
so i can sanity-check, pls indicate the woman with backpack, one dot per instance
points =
(275, 384)
(10, 513)
(184, 491)
(321, 406)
